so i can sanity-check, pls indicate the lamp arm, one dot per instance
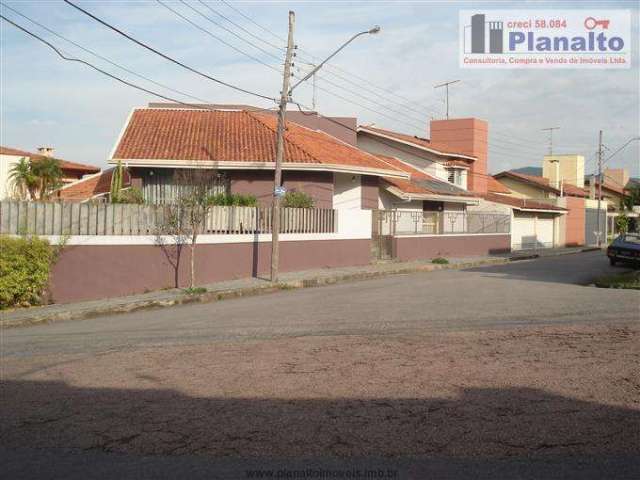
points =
(319, 66)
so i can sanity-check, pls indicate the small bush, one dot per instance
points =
(295, 199)
(195, 290)
(131, 195)
(234, 200)
(440, 261)
(25, 263)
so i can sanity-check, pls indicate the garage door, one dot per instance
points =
(523, 233)
(544, 231)
(531, 230)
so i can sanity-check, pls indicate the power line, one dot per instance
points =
(167, 57)
(101, 57)
(279, 48)
(204, 30)
(228, 30)
(361, 79)
(104, 72)
(90, 65)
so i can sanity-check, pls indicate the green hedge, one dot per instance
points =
(294, 199)
(24, 270)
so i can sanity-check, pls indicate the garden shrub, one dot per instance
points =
(25, 263)
(293, 199)
(440, 261)
(234, 200)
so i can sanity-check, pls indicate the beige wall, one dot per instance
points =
(569, 169)
(523, 190)
(413, 156)
(6, 162)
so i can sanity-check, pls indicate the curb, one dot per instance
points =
(532, 256)
(211, 296)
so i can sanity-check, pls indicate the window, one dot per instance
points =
(455, 176)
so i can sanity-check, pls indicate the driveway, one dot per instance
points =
(538, 292)
(516, 371)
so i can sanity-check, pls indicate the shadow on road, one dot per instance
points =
(73, 432)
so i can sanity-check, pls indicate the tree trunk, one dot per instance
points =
(193, 263)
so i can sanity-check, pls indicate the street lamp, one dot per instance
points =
(285, 95)
(372, 31)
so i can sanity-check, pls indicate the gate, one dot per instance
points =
(382, 231)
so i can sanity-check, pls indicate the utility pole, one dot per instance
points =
(277, 186)
(446, 87)
(599, 185)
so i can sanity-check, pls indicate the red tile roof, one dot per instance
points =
(419, 182)
(494, 186)
(415, 140)
(89, 187)
(159, 136)
(64, 164)
(521, 203)
(542, 183)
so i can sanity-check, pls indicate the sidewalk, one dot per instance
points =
(228, 289)
(546, 252)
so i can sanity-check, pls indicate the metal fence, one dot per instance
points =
(59, 218)
(399, 222)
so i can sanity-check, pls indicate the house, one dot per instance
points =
(91, 187)
(241, 145)
(447, 171)
(71, 171)
(614, 190)
(561, 184)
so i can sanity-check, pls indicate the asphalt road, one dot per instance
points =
(455, 392)
(538, 292)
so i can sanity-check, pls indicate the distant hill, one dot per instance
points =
(536, 171)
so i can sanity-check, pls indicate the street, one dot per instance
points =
(503, 371)
(545, 291)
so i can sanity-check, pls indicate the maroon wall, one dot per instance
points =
(422, 248)
(90, 272)
(370, 192)
(319, 185)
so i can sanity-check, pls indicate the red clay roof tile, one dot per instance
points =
(233, 136)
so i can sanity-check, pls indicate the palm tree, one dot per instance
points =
(49, 174)
(35, 178)
(23, 180)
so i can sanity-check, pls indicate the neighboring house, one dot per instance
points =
(614, 190)
(71, 171)
(561, 185)
(91, 187)
(443, 178)
(241, 146)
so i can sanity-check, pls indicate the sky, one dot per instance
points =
(386, 79)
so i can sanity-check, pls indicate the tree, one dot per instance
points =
(184, 218)
(48, 174)
(23, 180)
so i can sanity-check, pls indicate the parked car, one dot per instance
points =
(625, 248)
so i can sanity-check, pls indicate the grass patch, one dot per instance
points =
(440, 261)
(629, 280)
(195, 290)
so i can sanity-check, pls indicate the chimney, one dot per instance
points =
(567, 169)
(46, 151)
(468, 136)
